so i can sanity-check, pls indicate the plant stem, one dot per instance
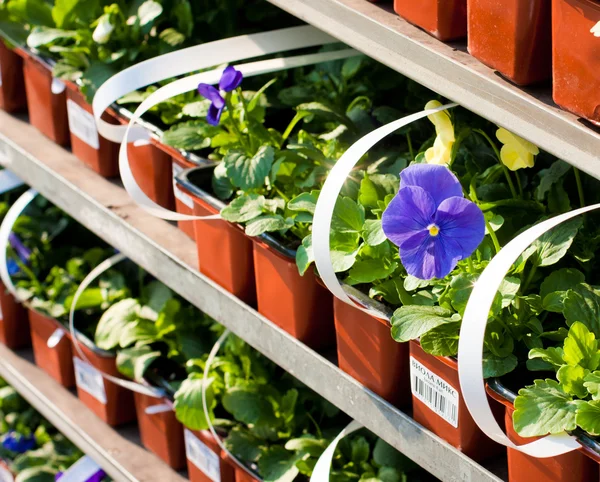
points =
(284, 197)
(579, 186)
(504, 168)
(471, 266)
(520, 186)
(529, 278)
(297, 118)
(410, 146)
(493, 236)
(236, 128)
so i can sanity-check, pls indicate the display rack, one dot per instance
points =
(449, 70)
(159, 247)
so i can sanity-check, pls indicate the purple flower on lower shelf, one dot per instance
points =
(22, 251)
(18, 443)
(230, 80)
(431, 222)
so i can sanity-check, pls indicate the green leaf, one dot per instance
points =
(360, 450)
(304, 255)
(244, 208)
(410, 322)
(544, 408)
(113, 321)
(494, 220)
(148, 11)
(441, 341)
(31, 12)
(41, 36)
(278, 465)
(36, 474)
(342, 260)
(196, 109)
(156, 295)
(321, 110)
(367, 194)
(553, 245)
(460, 290)
(384, 455)
(249, 173)
(495, 366)
(551, 355)
(190, 136)
(390, 474)
(369, 270)
(550, 176)
(571, 379)
(588, 417)
(172, 37)
(582, 303)
(348, 216)
(373, 232)
(247, 406)
(268, 223)
(314, 447)
(351, 66)
(139, 331)
(63, 11)
(305, 202)
(592, 384)
(555, 286)
(581, 347)
(243, 444)
(133, 362)
(188, 403)
(221, 184)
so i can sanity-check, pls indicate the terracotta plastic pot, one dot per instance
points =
(57, 359)
(183, 201)
(444, 19)
(14, 323)
(576, 63)
(436, 379)
(205, 460)
(513, 37)
(47, 110)
(571, 467)
(161, 432)
(224, 251)
(98, 153)
(297, 304)
(110, 402)
(242, 476)
(12, 84)
(367, 352)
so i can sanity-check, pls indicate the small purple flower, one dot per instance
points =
(12, 266)
(230, 80)
(431, 222)
(22, 251)
(18, 443)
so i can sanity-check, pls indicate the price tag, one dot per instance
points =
(435, 392)
(82, 124)
(202, 457)
(89, 380)
(179, 194)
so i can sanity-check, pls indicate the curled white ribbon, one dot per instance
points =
(329, 195)
(471, 339)
(323, 465)
(188, 84)
(81, 470)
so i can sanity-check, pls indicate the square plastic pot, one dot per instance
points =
(161, 432)
(297, 304)
(444, 19)
(47, 110)
(57, 359)
(114, 405)
(197, 473)
(576, 63)
(574, 466)
(12, 84)
(464, 435)
(14, 323)
(512, 37)
(367, 352)
(98, 153)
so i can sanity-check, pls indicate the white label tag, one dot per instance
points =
(179, 194)
(435, 392)
(89, 380)
(202, 457)
(82, 124)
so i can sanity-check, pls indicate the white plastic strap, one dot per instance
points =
(5, 229)
(323, 465)
(81, 470)
(158, 408)
(57, 87)
(55, 338)
(329, 195)
(9, 181)
(97, 271)
(191, 83)
(196, 58)
(472, 333)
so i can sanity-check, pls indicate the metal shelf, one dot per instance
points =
(163, 250)
(117, 451)
(449, 70)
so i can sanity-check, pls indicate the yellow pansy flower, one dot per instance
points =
(441, 151)
(516, 152)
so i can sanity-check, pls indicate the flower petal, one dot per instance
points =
(440, 153)
(518, 143)
(423, 257)
(231, 79)
(462, 227)
(442, 122)
(410, 212)
(213, 116)
(438, 181)
(212, 94)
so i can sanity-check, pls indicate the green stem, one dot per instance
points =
(297, 118)
(579, 186)
(283, 196)
(235, 127)
(410, 146)
(529, 278)
(471, 266)
(504, 168)
(493, 236)
(520, 186)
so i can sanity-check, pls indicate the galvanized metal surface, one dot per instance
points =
(449, 70)
(167, 253)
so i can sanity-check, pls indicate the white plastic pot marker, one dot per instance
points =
(9, 181)
(55, 338)
(196, 58)
(188, 84)
(329, 195)
(596, 30)
(81, 471)
(57, 87)
(158, 408)
(471, 338)
(323, 465)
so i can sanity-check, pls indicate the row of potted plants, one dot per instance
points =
(527, 42)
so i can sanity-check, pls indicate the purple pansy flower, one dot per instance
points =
(230, 80)
(18, 443)
(431, 222)
(22, 251)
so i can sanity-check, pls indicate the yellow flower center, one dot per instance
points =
(433, 229)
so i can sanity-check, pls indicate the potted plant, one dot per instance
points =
(12, 90)
(445, 20)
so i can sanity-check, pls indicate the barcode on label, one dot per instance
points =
(435, 392)
(89, 380)
(82, 124)
(202, 457)
(179, 194)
